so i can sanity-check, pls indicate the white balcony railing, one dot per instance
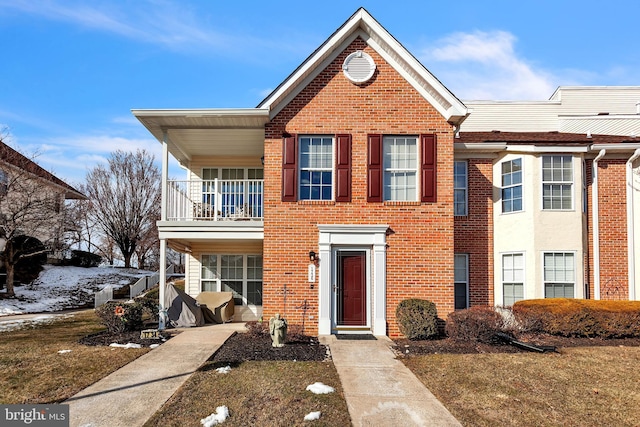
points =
(215, 200)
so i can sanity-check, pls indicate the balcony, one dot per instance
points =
(215, 200)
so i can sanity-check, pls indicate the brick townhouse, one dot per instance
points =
(361, 180)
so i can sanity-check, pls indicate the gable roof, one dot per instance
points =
(362, 24)
(12, 157)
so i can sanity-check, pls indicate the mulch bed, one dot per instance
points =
(257, 346)
(242, 347)
(406, 347)
(106, 338)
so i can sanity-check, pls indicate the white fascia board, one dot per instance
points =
(204, 112)
(548, 149)
(616, 147)
(491, 147)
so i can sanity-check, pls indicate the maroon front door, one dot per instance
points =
(351, 289)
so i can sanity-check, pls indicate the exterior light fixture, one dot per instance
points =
(313, 257)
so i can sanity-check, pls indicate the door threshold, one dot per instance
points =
(351, 330)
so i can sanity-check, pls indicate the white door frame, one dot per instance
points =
(342, 235)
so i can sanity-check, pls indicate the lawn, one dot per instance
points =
(32, 370)
(581, 386)
(258, 394)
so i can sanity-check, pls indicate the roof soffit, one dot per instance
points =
(363, 25)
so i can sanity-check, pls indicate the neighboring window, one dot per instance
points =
(460, 191)
(557, 182)
(559, 275)
(512, 186)
(4, 182)
(461, 281)
(239, 274)
(237, 196)
(316, 168)
(209, 276)
(400, 163)
(512, 278)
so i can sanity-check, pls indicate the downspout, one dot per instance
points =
(596, 226)
(162, 281)
(631, 226)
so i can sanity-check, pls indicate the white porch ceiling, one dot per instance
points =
(192, 133)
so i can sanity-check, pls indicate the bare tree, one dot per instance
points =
(80, 227)
(125, 195)
(27, 208)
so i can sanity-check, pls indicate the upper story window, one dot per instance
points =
(460, 190)
(512, 185)
(316, 168)
(557, 182)
(400, 154)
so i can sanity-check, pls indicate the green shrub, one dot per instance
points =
(579, 318)
(417, 319)
(84, 259)
(479, 323)
(121, 317)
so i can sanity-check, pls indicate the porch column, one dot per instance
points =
(380, 286)
(324, 286)
(162, 280)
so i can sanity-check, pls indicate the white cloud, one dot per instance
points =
(484, 65)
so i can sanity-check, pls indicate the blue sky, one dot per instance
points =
(72, 70)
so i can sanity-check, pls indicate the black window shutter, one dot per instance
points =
(428, 181)
(343, 168)
(374, 168)
(289, 168)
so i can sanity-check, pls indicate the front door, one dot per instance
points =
(351, 293)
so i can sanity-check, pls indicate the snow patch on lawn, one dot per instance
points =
(58, 288)
(224, 370)
(312, 416)
(319, 388)
(14, 324)
(127, 345)
(64, 351)
(221, 414)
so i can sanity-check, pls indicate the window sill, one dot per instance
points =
(317, 202)
(402, 203)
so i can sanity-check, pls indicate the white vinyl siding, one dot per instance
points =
(460, 188)
(559, 275)
(400, 154)
(512, 278)
(557, 183)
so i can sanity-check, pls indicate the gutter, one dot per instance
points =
(631, 226)
(596, 226)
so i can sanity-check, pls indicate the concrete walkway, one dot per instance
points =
(380, 390)
(131, 395)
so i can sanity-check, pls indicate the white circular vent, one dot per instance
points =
(358, 67)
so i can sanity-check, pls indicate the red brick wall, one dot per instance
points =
(474, 232)
(420, 237)
(614, 282)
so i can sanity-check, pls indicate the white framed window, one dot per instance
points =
(460, 188)
(239, 274)
(461, 281)
(559, 274)
(316, 167)
(400, 165)
(512, 185)
(239, 191)
(557, 183)
(512, 278)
